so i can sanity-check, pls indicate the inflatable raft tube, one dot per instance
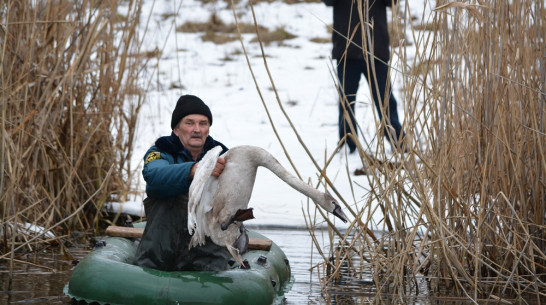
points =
(106, 276)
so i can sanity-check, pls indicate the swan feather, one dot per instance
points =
(199, 202)
(215, 200)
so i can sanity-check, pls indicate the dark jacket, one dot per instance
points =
(165, 242)
(168, 173)
(347, 26)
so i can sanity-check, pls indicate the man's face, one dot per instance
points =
(192, 131)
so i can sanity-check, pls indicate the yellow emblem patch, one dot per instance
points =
(152, 156)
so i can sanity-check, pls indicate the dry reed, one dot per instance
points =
(69, 102)
(464, 210)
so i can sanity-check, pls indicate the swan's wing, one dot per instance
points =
(203, 222)
(198, 185)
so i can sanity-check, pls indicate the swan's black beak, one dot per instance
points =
(242, 241)
(339, 213)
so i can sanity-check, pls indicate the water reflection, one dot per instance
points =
(44, 285)
(42, 282)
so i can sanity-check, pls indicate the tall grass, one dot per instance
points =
(69, 102)
(464, 210)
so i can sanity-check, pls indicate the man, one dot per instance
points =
(169, 166)
(348, 50)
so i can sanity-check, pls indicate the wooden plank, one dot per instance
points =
(124, 231)
(259, 244)
(253, 243)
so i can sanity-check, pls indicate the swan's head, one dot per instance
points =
(235, 254)
(330, 204)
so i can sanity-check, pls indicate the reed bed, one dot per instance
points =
(463, 212)
(70, 98)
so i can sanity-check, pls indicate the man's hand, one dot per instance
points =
(219, 167)
(193, 170)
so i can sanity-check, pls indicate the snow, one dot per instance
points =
(301, 71)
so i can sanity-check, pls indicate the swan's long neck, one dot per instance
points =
(265, 159)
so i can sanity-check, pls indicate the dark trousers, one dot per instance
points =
(165, 242)
(349, 72)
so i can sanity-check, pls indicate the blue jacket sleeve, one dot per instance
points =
(164, 178)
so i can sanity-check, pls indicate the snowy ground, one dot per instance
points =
(302, 74)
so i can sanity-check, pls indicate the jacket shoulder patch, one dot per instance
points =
(154, 155)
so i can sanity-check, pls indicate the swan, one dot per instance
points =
(217, 206)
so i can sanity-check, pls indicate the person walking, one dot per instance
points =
(365, 53)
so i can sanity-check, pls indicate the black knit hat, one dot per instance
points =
(189, 104)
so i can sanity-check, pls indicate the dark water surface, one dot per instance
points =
(38, 285)
(43, 282)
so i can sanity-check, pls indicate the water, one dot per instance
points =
(44, 284)
(297, 245)
(36, 285)
(42, 281)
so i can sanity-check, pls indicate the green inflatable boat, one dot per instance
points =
(106, 276)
